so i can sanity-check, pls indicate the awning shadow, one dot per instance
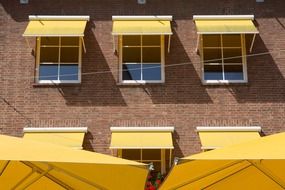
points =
(182, 81)
(266, 82)
(98, 86)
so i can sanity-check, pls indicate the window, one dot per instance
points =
(144, 144)
(158, 157)
(141, 58)
(223, 58)
(58, 60)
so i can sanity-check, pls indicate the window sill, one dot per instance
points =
(139, 83)
(55, 84)
(224, 82)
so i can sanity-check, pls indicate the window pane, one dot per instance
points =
(232, 56)
(131, 71)
(131, 154)
(231, 40)
(149, 40)
(151, 154)
(68, 72)
(69, 55)
(151, 71)
(233, 72)
(48, 72)
(49, 54)
(131, 55)
(70, 41)
(213, 72)
(50, 41)
(151, 55)
(131, 40)
(211, 40)
(212, 56)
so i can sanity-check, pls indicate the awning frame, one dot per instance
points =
(142, 129)
(55, 130)
(226, 129)
(225, 17)
(142, 18)
(57, 18)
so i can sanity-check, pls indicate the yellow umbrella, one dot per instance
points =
(31, 165)
(254, 165)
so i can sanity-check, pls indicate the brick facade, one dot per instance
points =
(182, 101)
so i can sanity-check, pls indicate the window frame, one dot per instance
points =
(38, 63)
(162, 160)
(243, 64)
(162, 61)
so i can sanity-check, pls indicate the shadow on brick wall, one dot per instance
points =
(98, 86)
(182, 82)
(266, 82)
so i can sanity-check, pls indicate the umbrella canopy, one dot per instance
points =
(27, 164)
(257, 164)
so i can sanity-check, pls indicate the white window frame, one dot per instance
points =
(162, 63)
(244, 63)
(38, 63)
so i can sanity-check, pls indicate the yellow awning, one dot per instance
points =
(144, 25)
(141, 138)
(69, 137)
(256, 164)
(214, 137)
(56, 26)
(225, 25)
(33, 165)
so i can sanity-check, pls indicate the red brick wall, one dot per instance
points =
(99, 103)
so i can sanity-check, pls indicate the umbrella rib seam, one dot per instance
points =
(4, 167)
(227, 176)
(49, 176)
(207, 174)
(268, 174)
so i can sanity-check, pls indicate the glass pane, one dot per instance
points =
(131, 71)
(151, 71)
(213, 72)
(50, 41)
(131, 40)
(212, 56)
(49, 54)
(231, 40)
(151, 55)
(211, 40)
(151, 40)
(131, 154)
(232, 56)
(151, 154)
(69, 55)
(48, 72)
(131, 55)
(233, 72)
(70, 41)
(68, 72)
